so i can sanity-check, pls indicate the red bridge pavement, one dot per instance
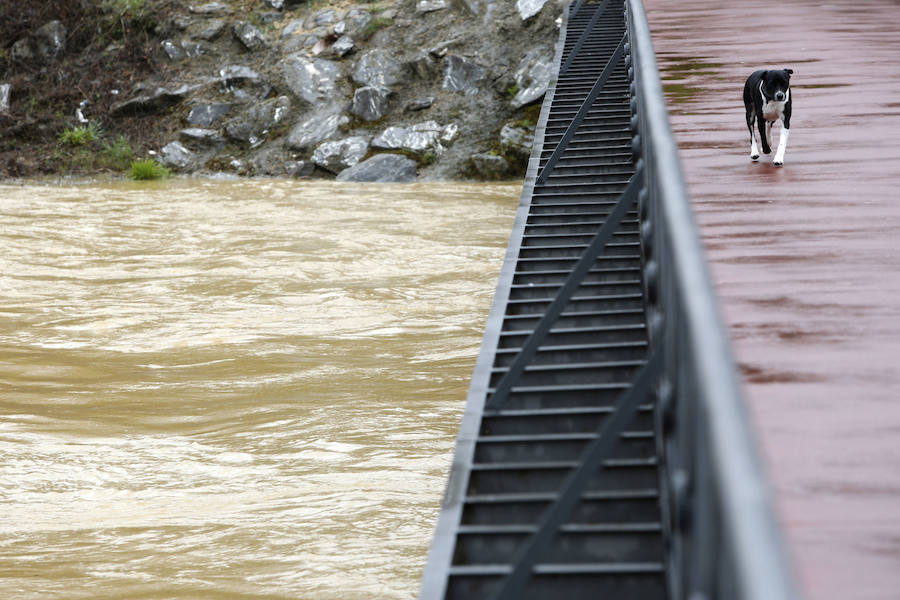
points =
(806, 259)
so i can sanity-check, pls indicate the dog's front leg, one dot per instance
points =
(785, 132)
(782, 145)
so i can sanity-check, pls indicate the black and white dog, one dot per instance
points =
(767, 98)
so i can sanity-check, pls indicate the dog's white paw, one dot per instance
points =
(754, 157)
(778, 162)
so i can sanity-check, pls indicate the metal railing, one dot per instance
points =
(724, 541)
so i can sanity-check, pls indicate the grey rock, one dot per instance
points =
(251, 37)
(420, 104)
(173, 50)
(356, 19)
(463, 75)
(5, 89)
(212, 30)
(489, 166)
(378, 68)
(276, 4)
(211, 8)
(198, 137)
(47, 42)
(254, 125)
(156, 101)
(176, 156)
(339, 155)
(314, 130)
(300, 168)
(205, 115)
(529, 8)
(343, 46)
(423, 66)
(427, 6)
(516, 143)
(532, 77)
(194, 49)
(370, 103)
(233, 74)
(323, 18)
(316, 80)
(269, 160)
(486, 9)
(418, 139)
(292, 27)
(382, 168)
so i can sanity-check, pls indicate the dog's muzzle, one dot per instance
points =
(779, 96)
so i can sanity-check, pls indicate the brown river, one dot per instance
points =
(234, 389)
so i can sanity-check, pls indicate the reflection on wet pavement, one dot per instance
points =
(806, 259)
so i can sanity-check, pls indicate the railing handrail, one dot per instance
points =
(761, 567)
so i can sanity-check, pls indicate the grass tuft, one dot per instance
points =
(80, 136)
(148, 169)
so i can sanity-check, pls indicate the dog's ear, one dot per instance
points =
(789, 72)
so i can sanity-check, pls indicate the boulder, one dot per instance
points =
(270, 160)
(419, 104)
(176, 156)
(489, 166)
(382, 168)
(532, 77)
(343, 46)
(248, 35)
(423, 66)
(529, 8)
(155, 101)
(370, 103)
(427, 6)
(377, 68)
(232, 75)
(200, 138)
(356, 19)
(211, 8)
(516, 142)
(323, 18)
(173, 50)
(205, 115)
(463, 75)
(300, 168)
(317, 81)
(258, 121)
(314, 130)
(211, 30)
(46, 43)
(5, 89)
(418, 139)
(341, 154)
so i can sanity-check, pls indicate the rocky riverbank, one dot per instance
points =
(360, 91)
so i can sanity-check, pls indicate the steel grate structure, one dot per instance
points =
(524, 448)
(604, 451)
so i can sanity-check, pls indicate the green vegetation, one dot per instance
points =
(80, 136)
(118, 154)
(428, 158)
(147, 169)
(374, 26)
(133, 9)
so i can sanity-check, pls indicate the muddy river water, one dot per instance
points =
(234, 390)
(806, 260)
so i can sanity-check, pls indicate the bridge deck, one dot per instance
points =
(512, 459)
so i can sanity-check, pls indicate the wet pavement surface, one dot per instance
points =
(806, 260)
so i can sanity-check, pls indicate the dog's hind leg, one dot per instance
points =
(754, 151)
(763, 127)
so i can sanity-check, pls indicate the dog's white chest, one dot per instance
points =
(772, 111)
